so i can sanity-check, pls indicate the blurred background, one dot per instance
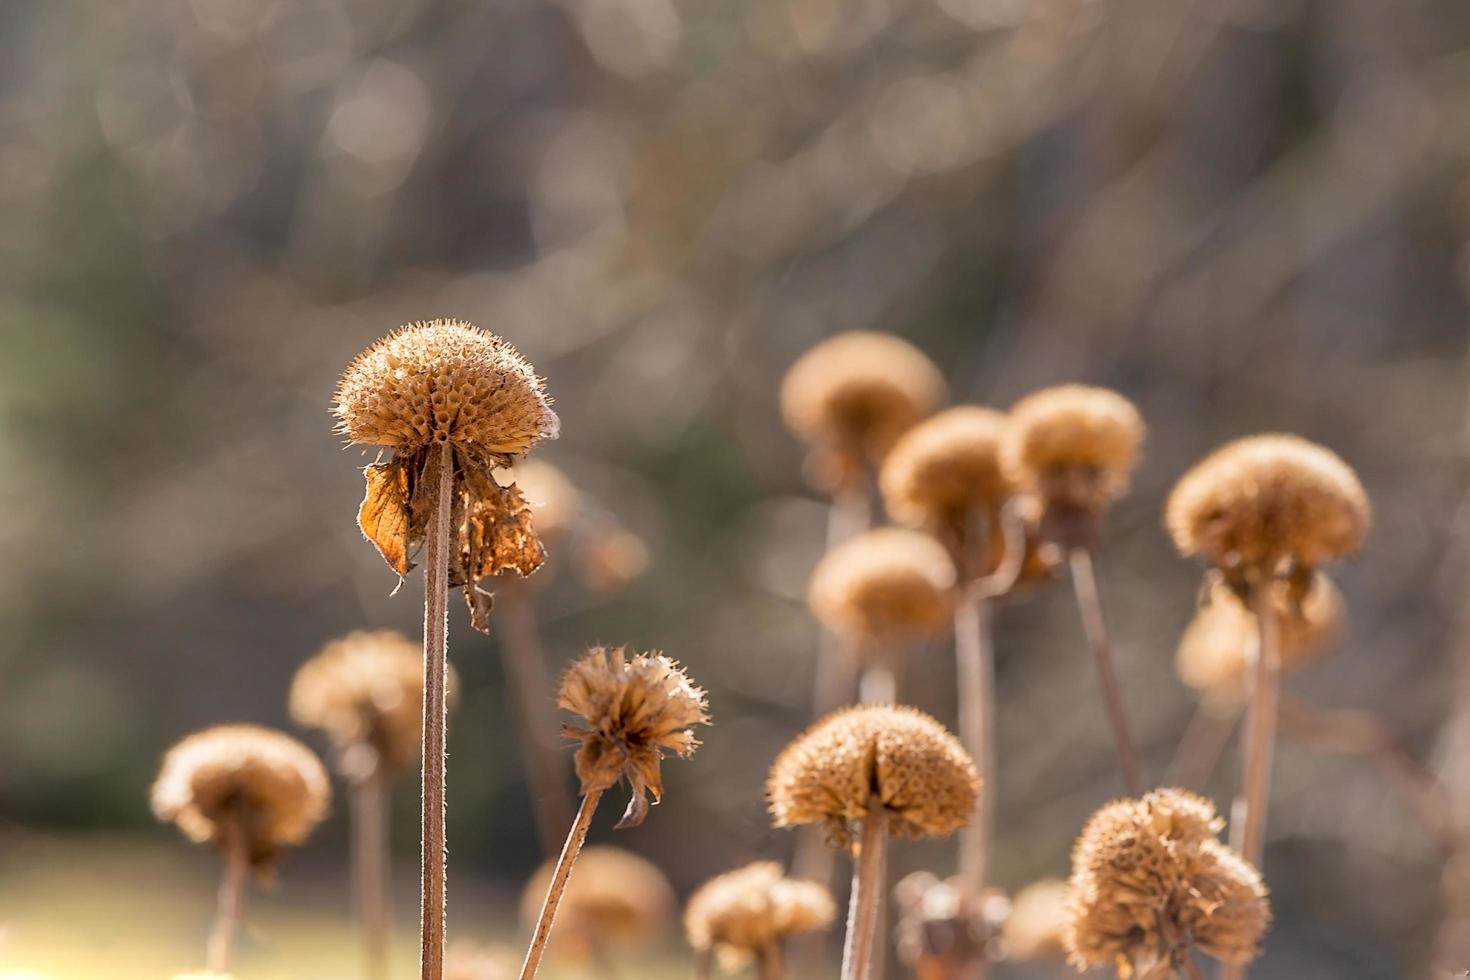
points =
(1246, 215)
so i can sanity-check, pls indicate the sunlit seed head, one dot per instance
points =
(1039, 916)
(898, 757)
(272, 784)
(1075, 445)
(1262, 501)
(444, 381)
(615, 897)
(947, 468)
(884, 585)
(752, 909)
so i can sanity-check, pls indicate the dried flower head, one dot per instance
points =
(365, 690)
(470, 961)
(946, 468)
(1039, 916)
(1215, 651)
(636, 710)
(447, 382)
(1075, 445)
(1265, 505)
(1150, 878)
(852, 395)
(274, 786)
(615, 897)
(752, 909)
(896, 756)
(884, 585)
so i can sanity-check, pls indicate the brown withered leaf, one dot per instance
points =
(384, 514)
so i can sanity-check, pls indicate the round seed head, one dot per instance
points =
(1259, 502)
(615, 897)
(1039, 916)
(469, 961)
(553, 499)
(855, 393)
(1076, 445)
(884, 585)
(1150, 874)
(753, 908)
(946, 468)
(444, 381)
(366, 692)
(896, 756)
(272, 784)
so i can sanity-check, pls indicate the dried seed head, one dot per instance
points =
(946, 468)
(855, 393)
(1149, 876)
(1262, 502)
(366, 692)
(615, 897)
(469, 961)
(272, 784)
(751, 909)
(553, 499)
(1075, 445)
(896, 756)
(1216, 647)
(1039, 916)
(636, 710)
(444, 381)
(884, 585)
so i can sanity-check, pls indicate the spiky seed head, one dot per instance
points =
(273, 785)
(1075, 445)
(470, 961)
(365, 690)
(1150, 874)
(1264, 501)
(615, 897)
(553, 499)
(947, 467)
(751, 909)
(444, 381)
(855, 393)
(884, 585)
(635, 709)
(898, 757)
(1216, 647)
(1039, 916)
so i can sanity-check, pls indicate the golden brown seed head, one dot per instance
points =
(855, 393)
(1263, 501)
(1216, 647)
(1039, 916)
(553, 499)
(898, 757)
(751, 909)
(884, 585)
(275, 786)
(1075, 445)
(636, 710)
(365, 690)
(946, 468)
(469, 961)
(615, 896)
(1149, 876)
(444, 381)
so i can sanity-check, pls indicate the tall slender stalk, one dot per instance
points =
(975, 663)
(370, 870)
(1084, 584)
(1248, 826)
(573, 846)
(436, 639)
(1200, 747)
(768, 962)
(231, 899)
(867, 895)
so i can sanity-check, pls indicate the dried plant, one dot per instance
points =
(744, 915)
(453, 402)
(1037, 921)
(635, 710)
(1151, 880)
(470, 961)
(250, 792)
(886, 771)
(946, 928)
(365, 690)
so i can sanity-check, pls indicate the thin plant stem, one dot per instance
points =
(370, 870)
(768, 962)
(525, 667)
(1084, 584)
(1190, 969)
(436, 641)
(848, 516)
(573, 846)
(879, 684)
(1248, 830)
(220, 950)
(867, 888)
(1200, 747)
(975, 666)
(703, 964)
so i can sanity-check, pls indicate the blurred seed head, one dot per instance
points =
(616, 897)
(896, 756)
(365, 690)
(944, 926)
(609, 557)
(751, 909)
(947, 467)
(1149, 876)
(851, 396)
(553, 498)
(272, 784)
(470, 961)
(636, 710)
(1264, 502)
(1075, 445)
(1039, 916)
(884, 586)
